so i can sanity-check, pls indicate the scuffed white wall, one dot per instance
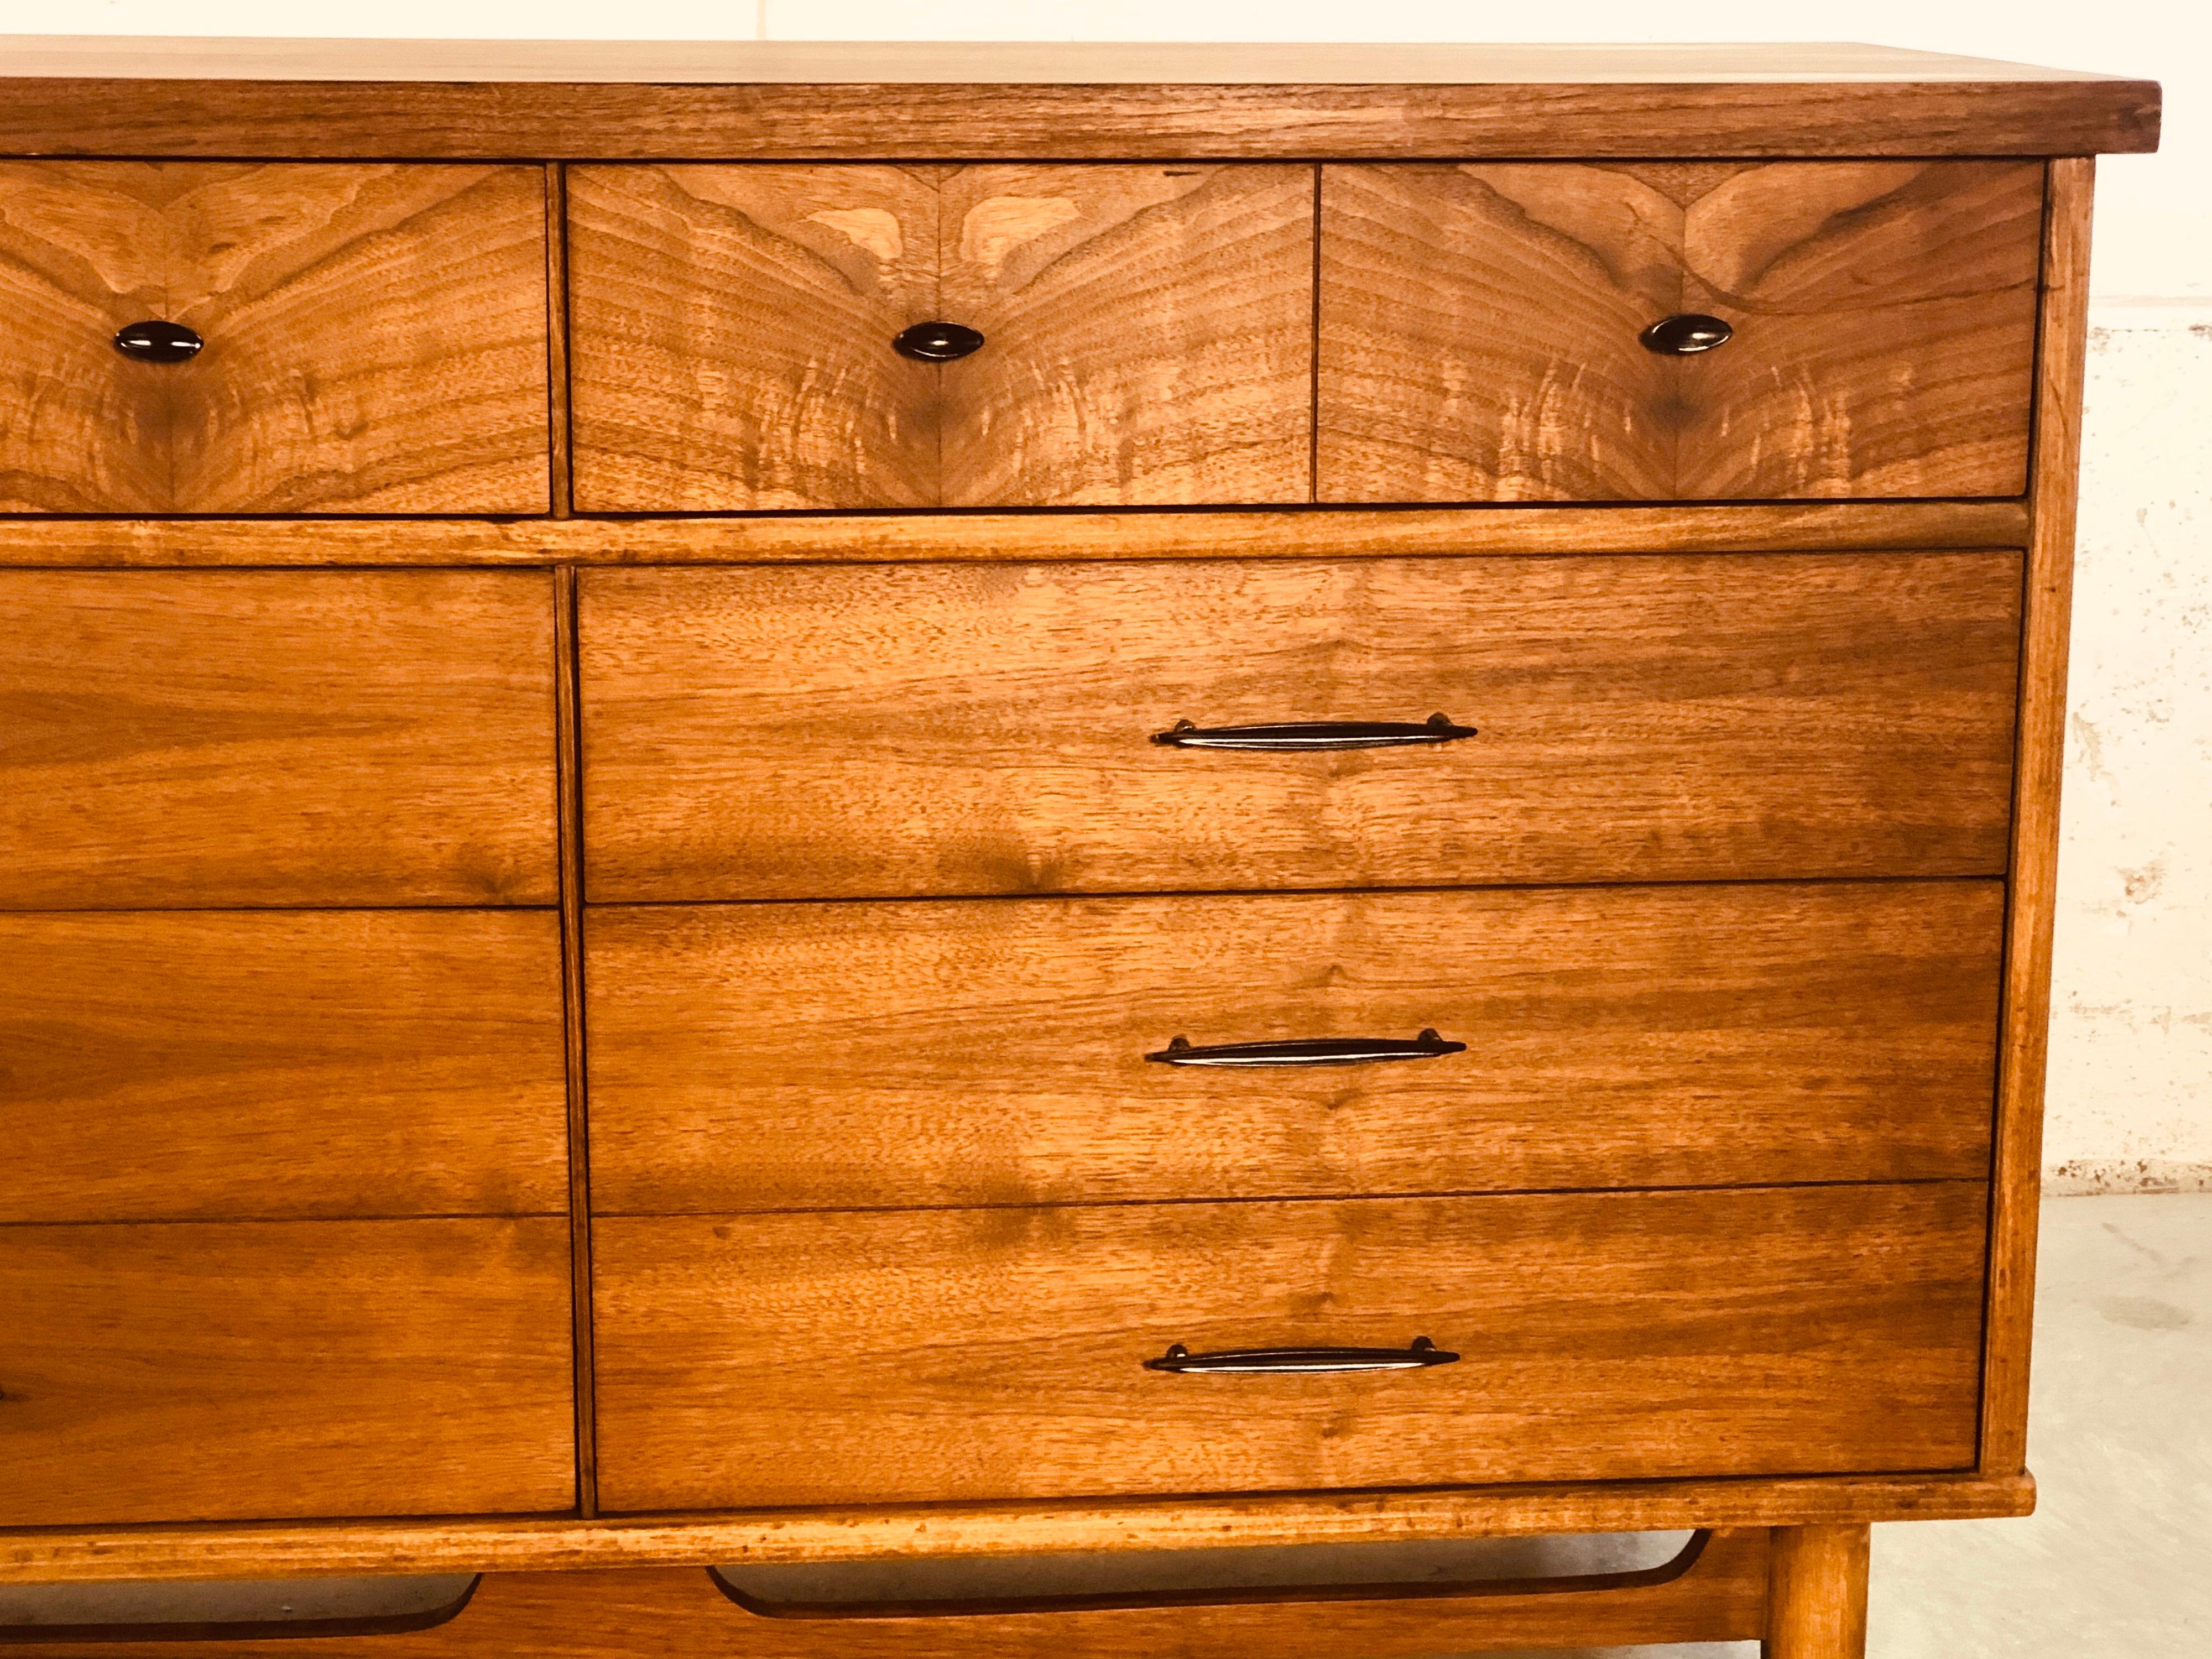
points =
(2130, 1100)
(2130, 1092)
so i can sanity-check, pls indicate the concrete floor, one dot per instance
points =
(2116, 1564)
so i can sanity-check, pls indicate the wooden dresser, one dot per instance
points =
(783, 803)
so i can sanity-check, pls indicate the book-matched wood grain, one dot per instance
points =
(215, 738)
(1146, 329)
(203, 1370)
(731, 329)
(1480, 325)
(1148, 335)
(970, 538)
(281, 1065)
(1715, 1591)
(889, 1356)
(921, 101)
(792, 1056)
(865, 732)
(2018, 1171)
(376, 337)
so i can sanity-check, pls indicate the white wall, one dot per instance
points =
(2131, 1095)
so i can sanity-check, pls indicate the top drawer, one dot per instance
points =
(374, 338)
(1481, 324)
(1145, 336)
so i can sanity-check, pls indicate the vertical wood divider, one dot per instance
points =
(2016, 1178)
(560, 477)
(568, 736)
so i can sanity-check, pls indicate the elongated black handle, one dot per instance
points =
(936, 343)
(154, 342)
(1315, 734)
(1687, 335)
(1417, 1355)
(1307, 1051)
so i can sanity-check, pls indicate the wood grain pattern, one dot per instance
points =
(578, 1144)
(2018, 1179)
(793, 1056)
(960, 537)
(202, 1371)
(560, 499)
(281, 1065)
(1817, 1594)
(731, 329)
(1480, 324)
(772, 100)
(1147, 336)
(870, 731)
(1149, 331)
(554, 1544)
(376, 338)
(218, 738)
(949, 1355)
(1718, 1595)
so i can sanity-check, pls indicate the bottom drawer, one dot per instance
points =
(218, 1371)
(895, 1355)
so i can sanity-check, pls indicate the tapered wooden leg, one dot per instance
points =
(1816, 1594)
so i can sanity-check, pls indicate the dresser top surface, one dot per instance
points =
(1001, 63)
(957, 100)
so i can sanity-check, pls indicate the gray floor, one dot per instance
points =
(2116, 1564)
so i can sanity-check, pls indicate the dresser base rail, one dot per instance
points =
(1715, 1590)
(297, 1549)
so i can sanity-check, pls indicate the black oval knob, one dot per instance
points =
(154, 342)
(937, 342)
(1687, 335)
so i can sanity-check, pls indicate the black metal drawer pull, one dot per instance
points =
(1315, 734)
(1687, 335)
(1417, 1355)
(1307, 1051)
(936, 343)
(154, 342)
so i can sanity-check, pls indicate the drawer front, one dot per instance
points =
(276, 738)
(1480, 330)
(214, 1371)
(764, 1057)
(1146, 336)
(873, 731)
(889, 1356)
(283, 1064)
(374, 338)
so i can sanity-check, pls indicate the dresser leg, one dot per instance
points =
(1816, 1594)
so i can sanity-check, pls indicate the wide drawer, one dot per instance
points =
(282, 1064)
(372, 339)
(873, 731)
(779, 1056)
(275, 737)
(1483, 329)
(216, 1371)
(888, 1356)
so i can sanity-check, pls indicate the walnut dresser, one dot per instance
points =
(782, 804)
